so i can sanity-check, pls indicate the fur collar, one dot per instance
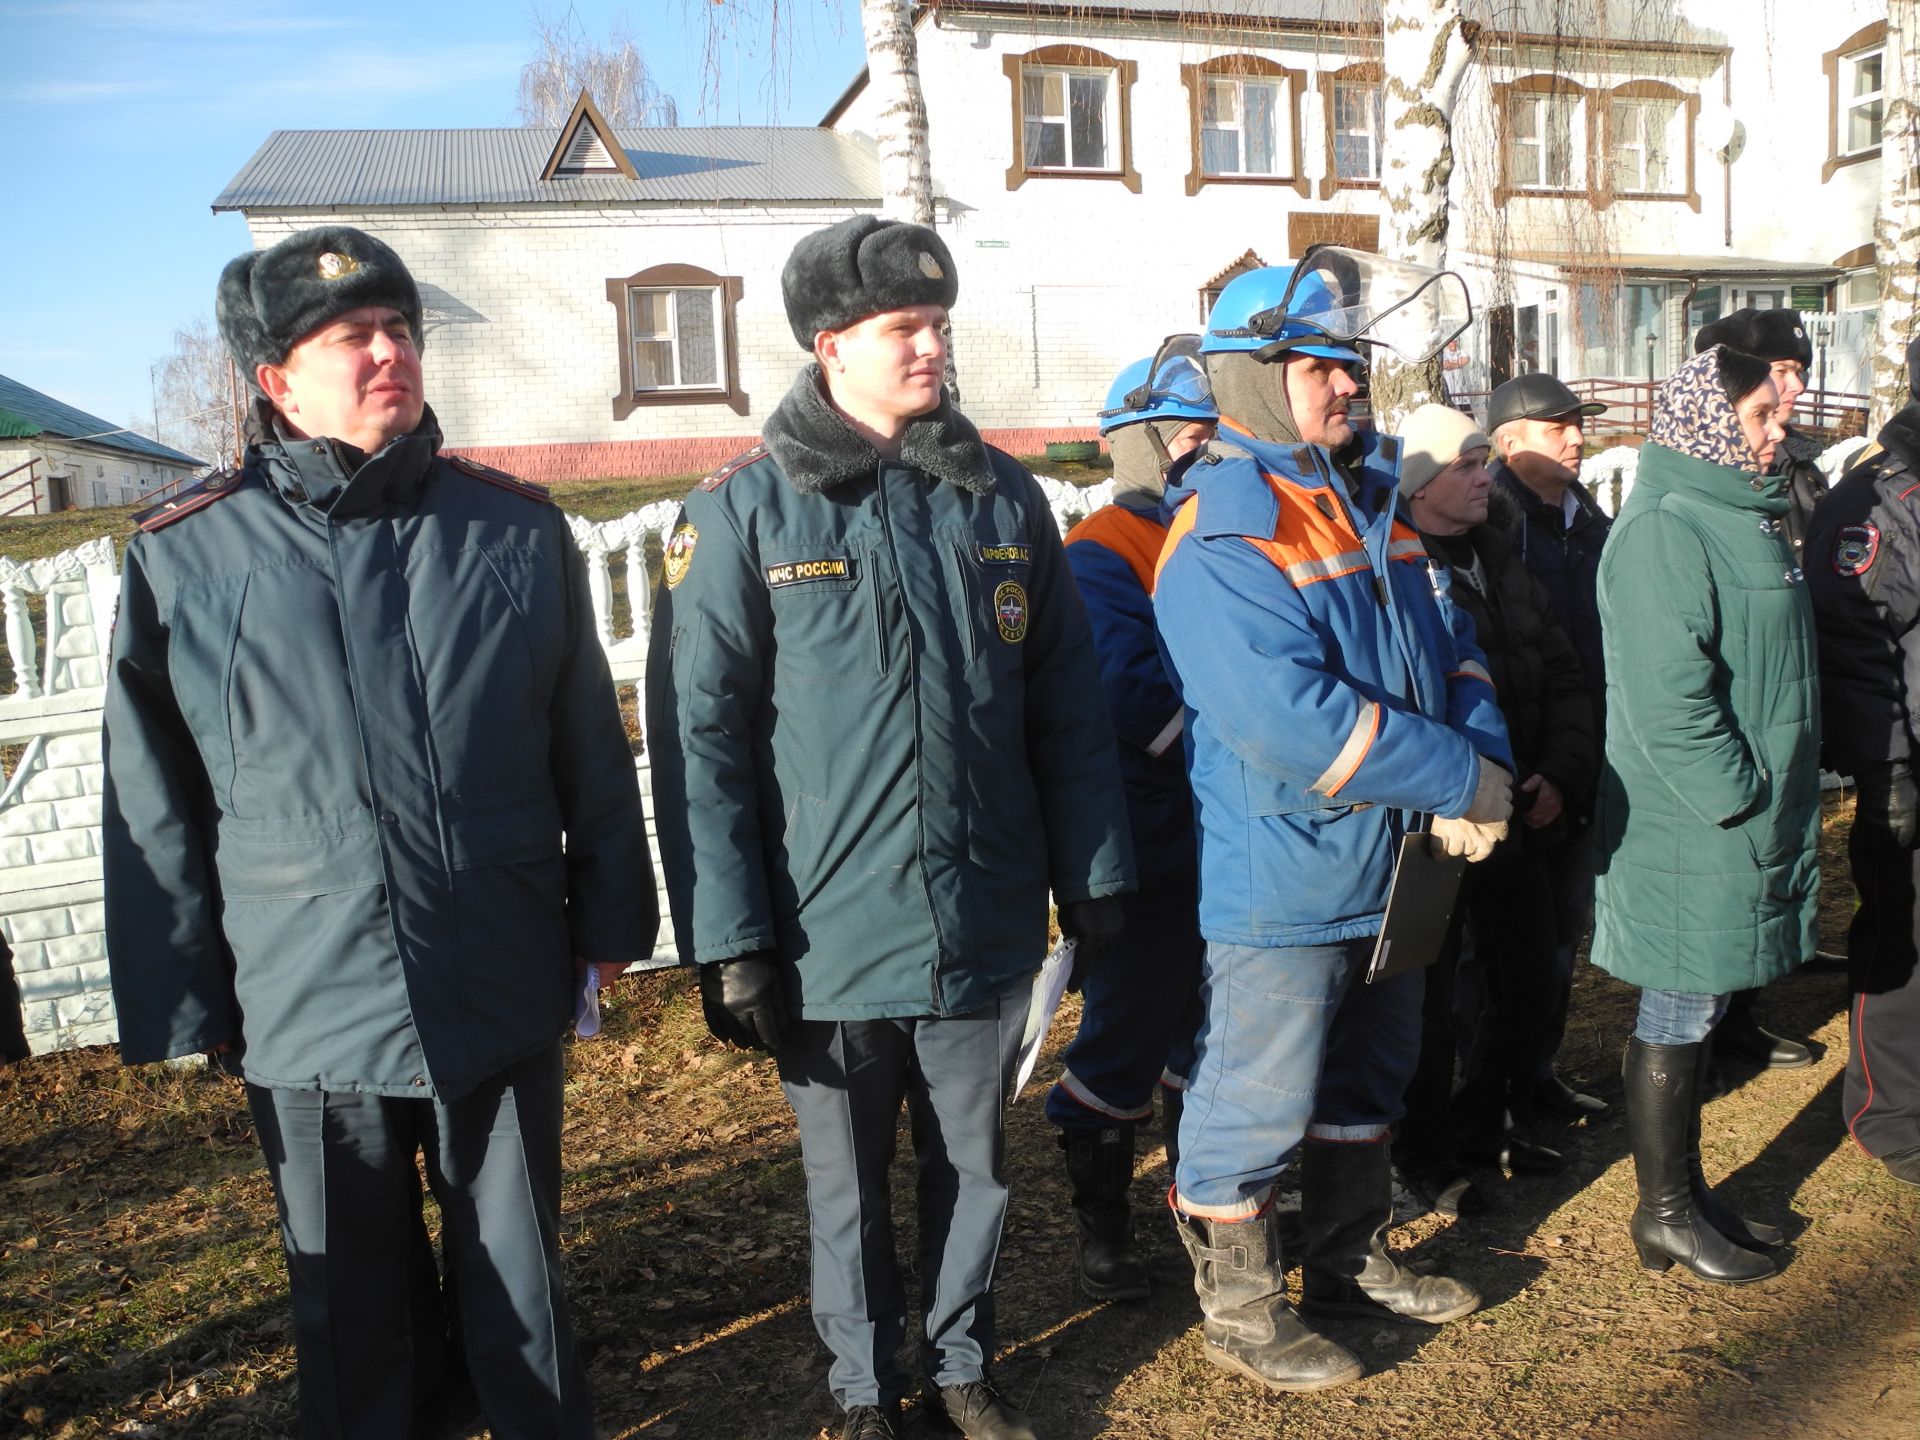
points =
(816, 447)
(1901, 435)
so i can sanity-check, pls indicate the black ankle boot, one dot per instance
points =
(1100, 1170)
(1346, 1207)
(1663, 1112)
(1748, 1234)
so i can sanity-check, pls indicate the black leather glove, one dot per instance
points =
(744, 1001)
(1887, 802)
(1092, 925)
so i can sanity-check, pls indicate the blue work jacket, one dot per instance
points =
(1332, 688)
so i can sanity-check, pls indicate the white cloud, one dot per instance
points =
(82, 92)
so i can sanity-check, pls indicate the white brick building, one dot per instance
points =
(1100, 167)
(54, 457)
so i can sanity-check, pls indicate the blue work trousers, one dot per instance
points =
(845, 1080)
(1294, 1043)
(1677, 1017)
(1141, 1008)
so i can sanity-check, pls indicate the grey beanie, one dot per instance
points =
(269, 300)
(860, 267)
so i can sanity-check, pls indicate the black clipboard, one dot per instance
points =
(1420, 904)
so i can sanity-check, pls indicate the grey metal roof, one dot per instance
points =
(361, 169)
(25, 413)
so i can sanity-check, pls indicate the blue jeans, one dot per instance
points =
(1142, 1005)
(1294, 1043)
(1677, 1017)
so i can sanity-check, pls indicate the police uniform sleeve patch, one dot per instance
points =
(1855, 549)
(677, 559)
(1010, 611)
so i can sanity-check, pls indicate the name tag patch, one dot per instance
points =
(1010, 611)
(799, 572)
(1006, 554)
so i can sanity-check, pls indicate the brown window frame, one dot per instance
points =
(678, 277)
(1369, 70)
(1689, 101)
(1240, 67)
(1865, 38)
(1543, 83)
(1078, 57)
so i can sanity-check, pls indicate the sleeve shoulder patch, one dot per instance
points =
(1855, 548)
(197, 497)
(739, 462)
(474, 468)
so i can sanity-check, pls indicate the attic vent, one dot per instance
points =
(587, 154)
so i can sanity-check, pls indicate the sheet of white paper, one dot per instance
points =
(1048, 986)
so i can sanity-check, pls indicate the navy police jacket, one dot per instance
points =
(1332, 687)
(1112, 554)
(1863, 573)
(351, 714)
(874, 721)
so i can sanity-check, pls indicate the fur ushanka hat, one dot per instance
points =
(269, 300)
(860, 267)
(1766, 334)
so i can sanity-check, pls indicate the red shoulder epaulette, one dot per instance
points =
(738, 462)
(196, 497)
(505, 481)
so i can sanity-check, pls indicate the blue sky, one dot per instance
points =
(120, 120)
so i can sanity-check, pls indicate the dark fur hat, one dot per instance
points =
(269, 300)
(861, 267)
(1768, 334)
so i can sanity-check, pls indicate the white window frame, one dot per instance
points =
(1539, 102)
(1850, 67)
(1109, 117)
(671, 336)
(1282, 111)
(1847, 298)
(1371, 135)
(1672, 115)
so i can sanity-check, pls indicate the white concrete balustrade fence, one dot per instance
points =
(50, 875)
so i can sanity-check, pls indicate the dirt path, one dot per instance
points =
(142, 1293)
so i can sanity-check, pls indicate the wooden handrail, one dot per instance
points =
(31, 485)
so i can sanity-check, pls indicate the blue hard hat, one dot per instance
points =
(1249, 315)
(1167, 385)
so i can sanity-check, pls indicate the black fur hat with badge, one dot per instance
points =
(1766, 334)
(860, 267)
(269, 300)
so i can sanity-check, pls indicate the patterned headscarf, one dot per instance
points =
(1691, 414)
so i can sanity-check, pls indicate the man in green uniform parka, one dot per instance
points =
(370, 813)
(877, 736)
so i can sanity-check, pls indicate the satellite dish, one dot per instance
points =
(1718, 130)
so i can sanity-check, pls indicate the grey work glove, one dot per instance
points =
(1464, 837)
(1492, 796)
(744, 1001)
(1092, 925)
(1887, 804)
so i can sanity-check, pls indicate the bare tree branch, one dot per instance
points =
(192, 394)
(615, 74)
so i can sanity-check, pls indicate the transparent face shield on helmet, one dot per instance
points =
(1176, 379)
(1352, 297)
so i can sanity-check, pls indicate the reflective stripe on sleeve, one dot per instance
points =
(1328, 567)
(1169, 733)
(1406, 550)
(1473, 670)
(1359, 741)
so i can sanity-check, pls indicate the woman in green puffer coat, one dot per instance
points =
(1709, 800)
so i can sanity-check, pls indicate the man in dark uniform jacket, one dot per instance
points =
(1779, 338)
(874, 711)
(1863, 570)
(356, 702)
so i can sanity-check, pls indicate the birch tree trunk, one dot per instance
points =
(1896, 227)
(900, 111)
(1426, 45)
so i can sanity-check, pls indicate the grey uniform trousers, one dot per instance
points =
(845, 1081)
(368, 1325)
